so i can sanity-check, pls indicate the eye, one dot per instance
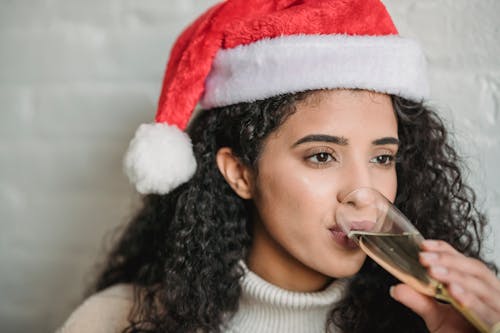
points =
(321, 158)
(386, 159)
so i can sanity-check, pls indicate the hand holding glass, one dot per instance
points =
(389, 238)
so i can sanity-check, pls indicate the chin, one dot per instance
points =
(345, 268)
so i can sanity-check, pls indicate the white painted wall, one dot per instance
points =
(77, 77)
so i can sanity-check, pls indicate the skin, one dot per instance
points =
(301, 181)
(303, 176)
(469, 281)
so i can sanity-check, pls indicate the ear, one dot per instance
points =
(237, 175)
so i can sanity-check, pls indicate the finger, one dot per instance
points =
(474, 304)
(469, 291)
(472, 281)
(464, 266)
(424, 306)
(437, 246)
(487, 305)
(434, 251)
(468, 280)
(468, 284)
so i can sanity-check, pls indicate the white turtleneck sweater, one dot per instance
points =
(263, 308)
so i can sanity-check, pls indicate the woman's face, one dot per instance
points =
(335, 142)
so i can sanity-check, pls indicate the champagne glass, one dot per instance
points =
(389, 238)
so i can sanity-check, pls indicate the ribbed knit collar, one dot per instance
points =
(265, 307)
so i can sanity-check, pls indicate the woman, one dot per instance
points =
(302, 102)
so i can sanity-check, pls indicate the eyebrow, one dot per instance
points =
(342, 141)
(339, 140)
(386, 141)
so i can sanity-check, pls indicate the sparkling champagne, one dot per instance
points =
(398, 254)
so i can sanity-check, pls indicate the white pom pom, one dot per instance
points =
(160, 158)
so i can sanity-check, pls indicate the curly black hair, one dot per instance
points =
(181, 250)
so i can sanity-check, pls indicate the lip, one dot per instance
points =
(341, 238)
(362, 225)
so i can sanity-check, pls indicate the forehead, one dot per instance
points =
(344, 113)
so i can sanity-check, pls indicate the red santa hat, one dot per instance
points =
(247, 50)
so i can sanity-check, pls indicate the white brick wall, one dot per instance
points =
(77, 77)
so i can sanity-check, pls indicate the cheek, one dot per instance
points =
(387, 185)
(293, 197)
(277, 196)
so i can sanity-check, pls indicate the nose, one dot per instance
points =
(355, 175)
(360, 210)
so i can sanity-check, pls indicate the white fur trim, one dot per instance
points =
(269, 67)
(160, 158)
